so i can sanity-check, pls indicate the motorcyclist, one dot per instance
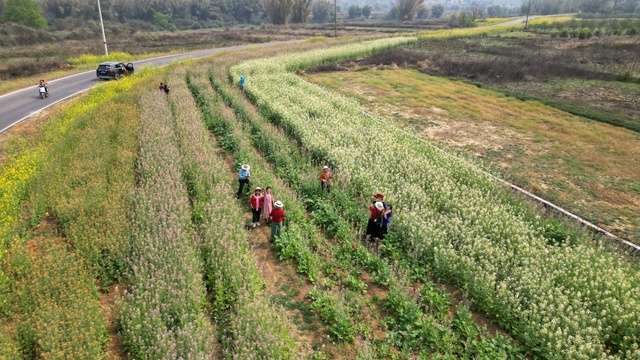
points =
(43, 83)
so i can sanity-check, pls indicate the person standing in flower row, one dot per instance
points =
(386, 221)
(267, 204)
(256, 202)
(243, 178)
(325, 179)
(374, 226)
(242, 81)
(277, 216)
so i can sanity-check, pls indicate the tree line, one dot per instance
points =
(173, 14)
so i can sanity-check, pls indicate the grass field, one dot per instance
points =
(585, 166)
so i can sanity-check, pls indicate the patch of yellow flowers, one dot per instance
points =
(18, 171)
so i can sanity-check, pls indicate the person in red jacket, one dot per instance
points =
(374, 226)
(277, 215)
(256, 202)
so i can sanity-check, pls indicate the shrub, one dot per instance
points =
(564, 33)
(584, 33)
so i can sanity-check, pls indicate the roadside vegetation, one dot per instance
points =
(63, 244)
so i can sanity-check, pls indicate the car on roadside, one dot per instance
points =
(113, 70)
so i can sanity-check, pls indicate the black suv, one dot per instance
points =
(113, 70)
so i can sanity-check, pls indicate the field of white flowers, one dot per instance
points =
(575, 300)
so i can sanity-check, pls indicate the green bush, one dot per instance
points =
(584, 33)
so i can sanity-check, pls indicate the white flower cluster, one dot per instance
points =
(578, 302)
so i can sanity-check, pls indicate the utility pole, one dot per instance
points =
(526, 20)
(104, 38)
(335, 18)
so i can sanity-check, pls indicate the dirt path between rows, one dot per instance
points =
(280, 275)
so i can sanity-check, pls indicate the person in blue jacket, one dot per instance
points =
(386, 221)
(243, 178)
(242, 80)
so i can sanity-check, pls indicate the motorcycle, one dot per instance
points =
(42, 91)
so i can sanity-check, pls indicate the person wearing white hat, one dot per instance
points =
(256, 202)
(374, 226)
(243, 178)
(277, 216)
(325, 179)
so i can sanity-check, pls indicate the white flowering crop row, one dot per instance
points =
(577, 301)
(253, 328)
(162, 312)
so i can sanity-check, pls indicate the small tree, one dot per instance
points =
(322, 11)
(406, 10)
(366, 11)
(355, 11)
(301, 11)
(25, 12)
(495, 11)
(437, 11)
(279, 10)
(475, 11)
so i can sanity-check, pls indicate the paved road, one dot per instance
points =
(20, 105)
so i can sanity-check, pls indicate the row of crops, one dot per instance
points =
(181, 253)
(562, 298)
(334, 261)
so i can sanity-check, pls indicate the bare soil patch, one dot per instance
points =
(115, 349)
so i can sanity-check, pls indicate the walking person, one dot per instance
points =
(256, 202)
(277, 216)
(242, 80)
(243, 178)
(267, 204)
(325, 179)
(161, 87)
(374, 226)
